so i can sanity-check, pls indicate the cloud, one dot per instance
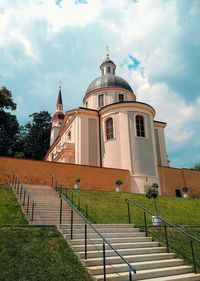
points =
(182, 118)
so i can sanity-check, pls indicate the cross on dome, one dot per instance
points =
(107, 53)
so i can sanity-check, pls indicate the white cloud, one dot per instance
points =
(182, 118)
(18, 21)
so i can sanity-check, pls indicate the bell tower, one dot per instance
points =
(57, 118)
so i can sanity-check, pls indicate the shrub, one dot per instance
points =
(185, 189)
(118, 182)
(152, 192)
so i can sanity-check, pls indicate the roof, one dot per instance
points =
(59, 100)
(108, 81)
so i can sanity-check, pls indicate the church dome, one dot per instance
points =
(108, 81)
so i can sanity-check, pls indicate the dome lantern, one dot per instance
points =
(108, 66)
(107, 82)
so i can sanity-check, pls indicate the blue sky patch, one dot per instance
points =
(81, 2)
(58, 3)
(133, 63)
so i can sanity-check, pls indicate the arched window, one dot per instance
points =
(109, 129)
(140, 130)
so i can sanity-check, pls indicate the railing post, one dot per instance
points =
(32, 211)
(13, 179)
(24, 197)
(15, 182)
(130, 274)
(145, 224)
(129, 214)
(52, 181)
(85, 241)
(86, 211)
(193, 256)
(60, 210)
(71, 224)
(66, 192)
(166, 237)
(18, 187)
(72, 197)
(79, 203)
(56, 184)
(27, 205)
(104, 261)
(20, 194)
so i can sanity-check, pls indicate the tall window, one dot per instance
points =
(140, 130)
(69, 135)
(109, 129)
(121, 98)
(101, 101)
(108, 69)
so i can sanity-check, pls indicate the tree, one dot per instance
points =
(197, 166)
(9, 125)
(6, 101)
(36, 136)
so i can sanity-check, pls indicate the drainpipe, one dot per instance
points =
(100, 151)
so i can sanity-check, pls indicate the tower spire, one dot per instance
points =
(58, 117)
(59, 104)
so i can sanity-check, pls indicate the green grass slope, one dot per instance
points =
(33, 253)
(37, 253)
(10, 211)
(110, 207)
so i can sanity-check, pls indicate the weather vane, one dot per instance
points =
(60, 84)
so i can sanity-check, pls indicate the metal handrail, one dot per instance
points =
(16, 185)
(191, 238)
(131, 268)
(33, 201)
(79, 199)
(169, 223)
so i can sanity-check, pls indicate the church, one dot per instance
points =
(112, 129)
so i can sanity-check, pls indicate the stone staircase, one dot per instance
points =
(151, 261)
(47, 209)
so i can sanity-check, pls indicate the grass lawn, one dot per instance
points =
(10, 211)
(33, 253)
(110, 207)
(179, 243)
(37, 253)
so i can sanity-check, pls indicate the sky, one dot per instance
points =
(154, 43)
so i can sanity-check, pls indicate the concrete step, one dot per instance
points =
(146, 274)
(97, 226)
(123, 252)
(97, 270)
(105, 230)
(106, 235)
(130, 259)
(91, 247)
(181, 277)
(110, 240)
